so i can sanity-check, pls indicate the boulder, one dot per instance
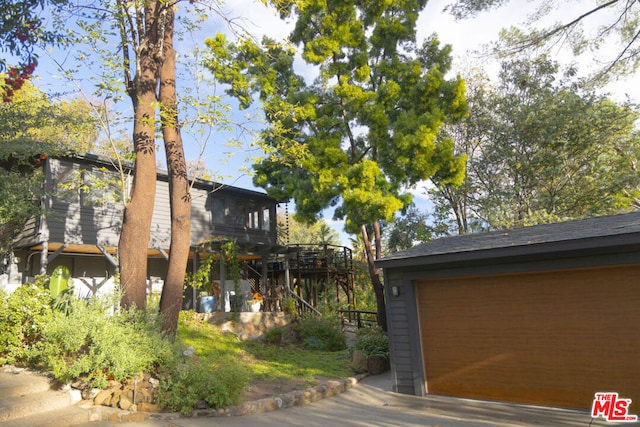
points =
(359, 362)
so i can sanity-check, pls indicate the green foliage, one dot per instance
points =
(263, 360)
(274, 335)
(190, 383)
(318, 233)
(24, 316)
(232, 263)
(19, 201)
(93, 344)
(30, 126)
(290, 306)
(201, 279)
(542, 148)
(33, 124)
(407, 230)
(370, 124)
(322, 333)
(372, 342)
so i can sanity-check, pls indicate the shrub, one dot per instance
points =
(23, 316)
(92, 344)
(322, 333)
(372, 342)
(274, 335)
(191, 383)
(290, 306)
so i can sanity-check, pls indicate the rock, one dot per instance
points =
(124, 403)
(377, 364)
(103, 398)
(143, 396)
(188, 352)
(359, 362)
(201, 404)
(115, 399)
(75, 395)
(148, 407)
(90, 393)
(133, 418)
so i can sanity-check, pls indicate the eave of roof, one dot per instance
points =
(163, 174)
(591, 233)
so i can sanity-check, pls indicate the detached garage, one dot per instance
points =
(545, 315)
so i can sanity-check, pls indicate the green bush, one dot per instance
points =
(23, 316)
(290, 306)
(274, 335)
(191, 383)
(93, 344)
(322, 333)
(372, 342)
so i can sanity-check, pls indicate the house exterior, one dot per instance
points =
(545, 315)
(80, 227)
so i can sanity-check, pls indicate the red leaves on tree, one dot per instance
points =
(15, 79)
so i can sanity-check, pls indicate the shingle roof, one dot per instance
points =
(574, 234)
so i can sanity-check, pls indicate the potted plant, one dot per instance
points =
(255, 302)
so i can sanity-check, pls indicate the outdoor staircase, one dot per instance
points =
(27, 399)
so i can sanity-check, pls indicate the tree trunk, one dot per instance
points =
(374, 273)
(136, 224)
(179, 195)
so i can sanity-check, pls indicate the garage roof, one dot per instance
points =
(585, 234)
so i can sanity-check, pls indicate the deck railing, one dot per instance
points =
(361, 318)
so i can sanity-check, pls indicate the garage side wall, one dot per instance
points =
(404, 339)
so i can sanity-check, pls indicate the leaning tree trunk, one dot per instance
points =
(374, 274)
(136, 224)
(179, 195)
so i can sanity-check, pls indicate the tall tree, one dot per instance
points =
(366, 129)
(145, 63)
(141, 25)
(542, 149)
(179, 186)
(408, 229)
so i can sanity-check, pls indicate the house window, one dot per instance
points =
(100, 188)
(66, 186)
(218, 211)
(266, 220)
(236, 213)
(240, 213)
(254, 219)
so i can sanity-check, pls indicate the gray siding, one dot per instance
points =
(404, 337)
(161, 220)
(74, 216)
(81, 210)
(30, 233)
(200, 215)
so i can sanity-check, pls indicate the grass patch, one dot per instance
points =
(265, 361)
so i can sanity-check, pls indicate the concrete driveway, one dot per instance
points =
(371, 403)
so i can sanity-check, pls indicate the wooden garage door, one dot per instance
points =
(550, 338)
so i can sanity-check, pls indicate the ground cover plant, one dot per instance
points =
(260, 362)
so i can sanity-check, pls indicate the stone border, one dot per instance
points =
(287, 400)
